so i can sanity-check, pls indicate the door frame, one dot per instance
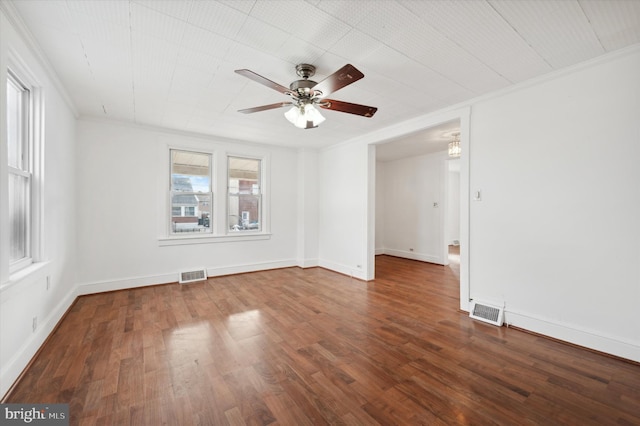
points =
(411, 126)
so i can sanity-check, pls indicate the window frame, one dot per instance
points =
(262, 228)
(171, 232)
(218, 204)
(32, 167)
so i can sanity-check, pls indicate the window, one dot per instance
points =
(191, 193)
(20, 172)
(245, 195)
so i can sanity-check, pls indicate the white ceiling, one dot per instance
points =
(170, 63)
(428, 141)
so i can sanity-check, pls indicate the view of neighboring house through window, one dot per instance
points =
(191, 193)
(20, 174)
(245, 193)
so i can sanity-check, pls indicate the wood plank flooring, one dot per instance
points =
(312, 347)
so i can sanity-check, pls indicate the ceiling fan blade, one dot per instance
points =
(264, 81)
(265, 107)
(339, 79)
(357, 109)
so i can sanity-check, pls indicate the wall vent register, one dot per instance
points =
(488, 313)
(193, 276)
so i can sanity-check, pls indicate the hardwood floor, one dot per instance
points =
(312, 347)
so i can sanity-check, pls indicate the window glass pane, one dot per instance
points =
(244, 212)
(243, 207)
(15, 123)
(190, 171)
(244, 175)
(191, 194)
(18, 217)
(19, 182)
(190, 212)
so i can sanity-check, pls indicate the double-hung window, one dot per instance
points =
(244, 205)
(191, 192)
(19, 149)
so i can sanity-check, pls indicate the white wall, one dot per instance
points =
(380, 229)
(26, 297)
(123, 199)
(453, 204)
(556, 235)
(343, 216)
(413, 227)
(307, 208)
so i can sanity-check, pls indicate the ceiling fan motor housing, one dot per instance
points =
(303, 87)
(305, 70)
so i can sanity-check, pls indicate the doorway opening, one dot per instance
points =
(416, 216)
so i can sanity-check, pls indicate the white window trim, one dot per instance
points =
(218, 202)
(35, 237)
(201, 239)
(171, 235)
(265, 228)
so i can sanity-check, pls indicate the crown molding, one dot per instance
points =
(13, 16)
(447, 113)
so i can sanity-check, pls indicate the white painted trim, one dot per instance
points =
(208, 138)
(25, 34)
(144, 281)
(413, 256)
(573, 334)
(370, 255)
(465, 209)
(210, 239)
(439, 116)
(33, 272)
(308, 263)
(463, 115)
(254, 267)
(343, 269)
(10, 372)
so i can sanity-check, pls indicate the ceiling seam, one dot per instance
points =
(457, 44)
(520, 35)
(595, 33)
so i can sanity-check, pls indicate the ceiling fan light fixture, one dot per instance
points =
(300, 116)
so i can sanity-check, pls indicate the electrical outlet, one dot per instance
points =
(34, 325)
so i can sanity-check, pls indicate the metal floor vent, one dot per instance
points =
(192, 276)
(487, 313)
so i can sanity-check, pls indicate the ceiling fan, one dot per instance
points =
(306, 94)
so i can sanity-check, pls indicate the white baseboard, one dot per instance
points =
(133, 282)
(575, 335)
(308, 263)
(413, 256)
(10, 371)
(125, 283)
(343, 269)
(253, 267)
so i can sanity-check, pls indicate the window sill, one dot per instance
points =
(209, 239)
(31, 271)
